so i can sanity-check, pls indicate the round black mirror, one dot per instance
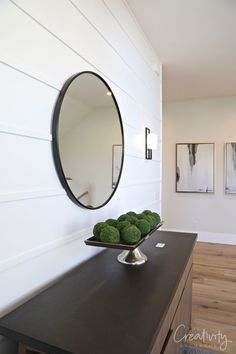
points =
(88, 140)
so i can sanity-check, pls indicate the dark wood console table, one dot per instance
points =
(104, 307)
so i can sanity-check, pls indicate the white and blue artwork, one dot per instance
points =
(230, 185)
(195, 168)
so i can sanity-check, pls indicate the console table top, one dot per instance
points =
(102, 306)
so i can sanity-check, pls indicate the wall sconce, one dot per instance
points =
(150, 143)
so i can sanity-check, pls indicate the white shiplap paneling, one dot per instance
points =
(27, 46)
(103, 22)
(34, 273)
(21, 102)
(27, 164)
(128, 23)
(42, 44)
(27, 133)
(46, 247)
(15, 196)
(69, 27)
(144, 170)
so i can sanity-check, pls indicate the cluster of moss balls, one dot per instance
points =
(129, 228)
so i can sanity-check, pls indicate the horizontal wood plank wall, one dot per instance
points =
(214, 295)
(42, 44)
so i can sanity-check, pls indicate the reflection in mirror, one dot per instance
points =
(88, 140)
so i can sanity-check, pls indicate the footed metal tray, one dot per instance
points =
(131, 254)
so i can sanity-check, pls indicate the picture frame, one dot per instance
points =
(230, 168)
(195, 167)
(116, 163)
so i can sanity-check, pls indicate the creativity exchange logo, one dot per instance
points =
(215, 339)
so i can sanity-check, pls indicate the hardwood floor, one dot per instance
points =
(214, 298)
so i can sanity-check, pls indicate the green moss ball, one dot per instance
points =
(123, 217)
(131, 234)
(131, 213)
(132, 219)
(97, 229)
(122, 224)
(151, 220)
(144, 226)
(139, 216)
(112, 222)
(147, 212)
(110, 234)
(157, 217)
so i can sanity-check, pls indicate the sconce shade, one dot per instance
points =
(152, 141)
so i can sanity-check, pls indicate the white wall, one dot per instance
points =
(208, 120)
(42, 44)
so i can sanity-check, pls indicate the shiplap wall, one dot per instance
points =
(42, 44)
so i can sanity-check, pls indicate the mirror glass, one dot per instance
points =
(88, 140)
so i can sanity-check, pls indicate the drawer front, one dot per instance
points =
(181, 323)
(166, 332)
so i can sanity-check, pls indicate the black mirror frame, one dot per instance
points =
(55, 144)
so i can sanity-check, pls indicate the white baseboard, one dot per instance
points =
(212, 237)
(227, 239)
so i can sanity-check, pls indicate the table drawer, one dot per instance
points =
(166, 332)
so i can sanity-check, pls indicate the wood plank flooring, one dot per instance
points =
(214, 298)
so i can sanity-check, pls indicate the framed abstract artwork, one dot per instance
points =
(195, 167)
(230, 168)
